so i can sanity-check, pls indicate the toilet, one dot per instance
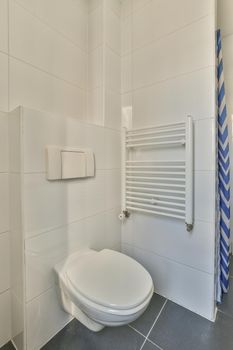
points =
(105, 288)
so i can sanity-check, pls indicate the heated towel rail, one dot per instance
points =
(159, 187)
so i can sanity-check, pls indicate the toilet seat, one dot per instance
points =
(104, 277)
(103, 288)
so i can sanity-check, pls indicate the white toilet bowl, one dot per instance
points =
(103, 288)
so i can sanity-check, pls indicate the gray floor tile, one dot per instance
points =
(178, 328)
(149, 346)
(231, 267)
(8, 346)
(145, 322)
(227, 304)
(231, 271)
(77, 337)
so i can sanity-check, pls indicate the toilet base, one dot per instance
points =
(77, 313)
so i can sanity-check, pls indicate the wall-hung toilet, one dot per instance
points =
(103, 288)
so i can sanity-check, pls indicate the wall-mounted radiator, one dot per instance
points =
(161, 186)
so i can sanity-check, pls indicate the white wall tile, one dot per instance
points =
(14, 134)
(126, 73)
(103, 230)
(204, 141)
(43, 252)
(4, 262)
(225, 10)
(95, 229)
(50, 204)
(127, 249)
(168, 73)
(112, 30)
(44, 319)
(227, 50)
(194, 50)
(115, 6)
(126, 101)
(3, 142)
(172, 100)
(4, 202)
(17, 265)
(113, 188)
(113, 71)
(76, 200)
(113, 229)
(95, 194)
(168, 17)
(93, 4)
(95, 28)
(187, 287)
(96, 141)
(4, 26)
(126, 35)
(40, 130)
(138, 4)
(70, 17)
(126, 8)
(95, 106)
(5, 319)
(3, 82)
(112, 149)
(112, 110)
(17, 322)
(45, 204)
(95, 68)
(33, 88)
(170, 239)
(35, 43)
(204, 196)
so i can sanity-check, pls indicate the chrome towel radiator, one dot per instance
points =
(160, 187)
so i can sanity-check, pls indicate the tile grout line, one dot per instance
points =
(165, 80)
(135, 330)
(51, 27)
(169, 34)
(225, 314)
(171, 259)
(150, 341)
(156, 319)
(53, 75)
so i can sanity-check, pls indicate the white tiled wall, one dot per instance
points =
(225, 13)
(67, 62)
(43, 64)
(104, 63)
(46, 57)
(58, 217)
(168, 72)
(5, 325)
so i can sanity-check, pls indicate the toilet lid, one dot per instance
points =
(111, 279)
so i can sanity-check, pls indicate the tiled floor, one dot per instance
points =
(8, 346)
(164, 326)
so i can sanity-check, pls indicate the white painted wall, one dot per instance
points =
(225, 15)
(168, 72)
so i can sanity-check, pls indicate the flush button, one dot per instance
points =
(73, 165)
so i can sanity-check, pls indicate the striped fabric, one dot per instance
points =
(223, 178)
